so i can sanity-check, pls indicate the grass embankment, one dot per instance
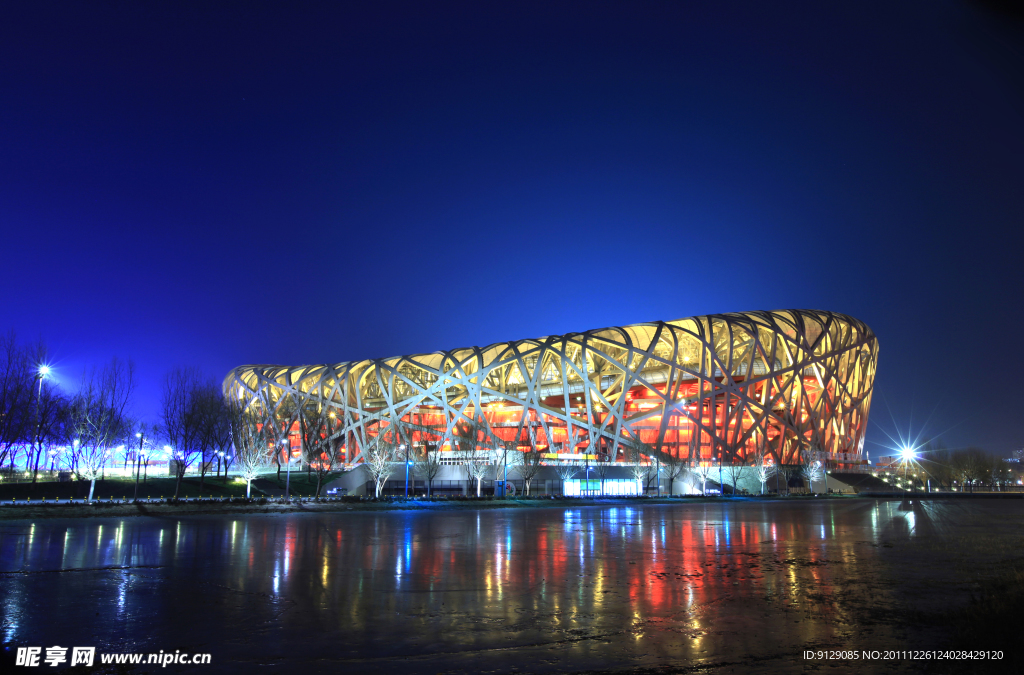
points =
(159, 488)
(108, 508)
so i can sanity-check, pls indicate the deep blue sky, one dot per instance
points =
(218, 184)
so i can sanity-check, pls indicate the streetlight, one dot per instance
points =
(41, 373)
(908, 456)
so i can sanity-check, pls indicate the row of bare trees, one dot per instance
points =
(480, 452)
(477, 450)
(84, 431)
(196, 422)
(965, 467)
(199, 424)
(37, 418)
(33, 412)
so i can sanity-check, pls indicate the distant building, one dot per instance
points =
(717, 388)
(889, 462)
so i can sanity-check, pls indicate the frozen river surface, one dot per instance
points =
(714, 586)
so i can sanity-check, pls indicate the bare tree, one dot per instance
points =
(528, 464)
(52, 423)
(972, 465)
(566, 470)
(428, 465)
(503, 451)
(98, 417)
(702, 470)
(215, 433)
(474, 465)
(16, 389)
(222, 439)
(378, 459)
(315, 426)
(184, 419)
(280, 416)
(603, 466)
(786, 472)
(763, 469)
(674, 468)
(652, 470)
(55, 431)
(735, 472)
(937, 462)
(811, 470)
(638, 468)
(249, 438)
(476, 468)
(44, 405)
(1001, 472)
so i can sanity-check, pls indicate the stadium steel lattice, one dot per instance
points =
(720, 387)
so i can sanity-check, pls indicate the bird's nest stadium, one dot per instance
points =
(722, 387)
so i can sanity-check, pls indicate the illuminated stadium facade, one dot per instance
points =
(718, 388)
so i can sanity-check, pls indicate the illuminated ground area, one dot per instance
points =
(722, 586)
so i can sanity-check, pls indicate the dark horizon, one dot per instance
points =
(219, 185)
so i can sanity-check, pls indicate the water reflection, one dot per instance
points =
(591, 587)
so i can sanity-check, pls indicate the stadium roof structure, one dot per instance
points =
(721, 387)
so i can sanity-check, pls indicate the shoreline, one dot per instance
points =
(119, 509)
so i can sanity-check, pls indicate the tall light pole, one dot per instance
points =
(288, 472)
(141, 436)
(406, 448)
(504, 476)
(41, 373)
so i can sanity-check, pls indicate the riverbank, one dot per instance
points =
(165, 508)
(110, 508)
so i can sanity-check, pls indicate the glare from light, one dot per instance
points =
(907, 454)
(44, 370)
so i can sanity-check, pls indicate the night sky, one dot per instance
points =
(211, 184)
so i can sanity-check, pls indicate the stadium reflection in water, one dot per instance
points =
(548, 588)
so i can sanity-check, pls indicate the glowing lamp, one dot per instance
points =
(907, 454)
